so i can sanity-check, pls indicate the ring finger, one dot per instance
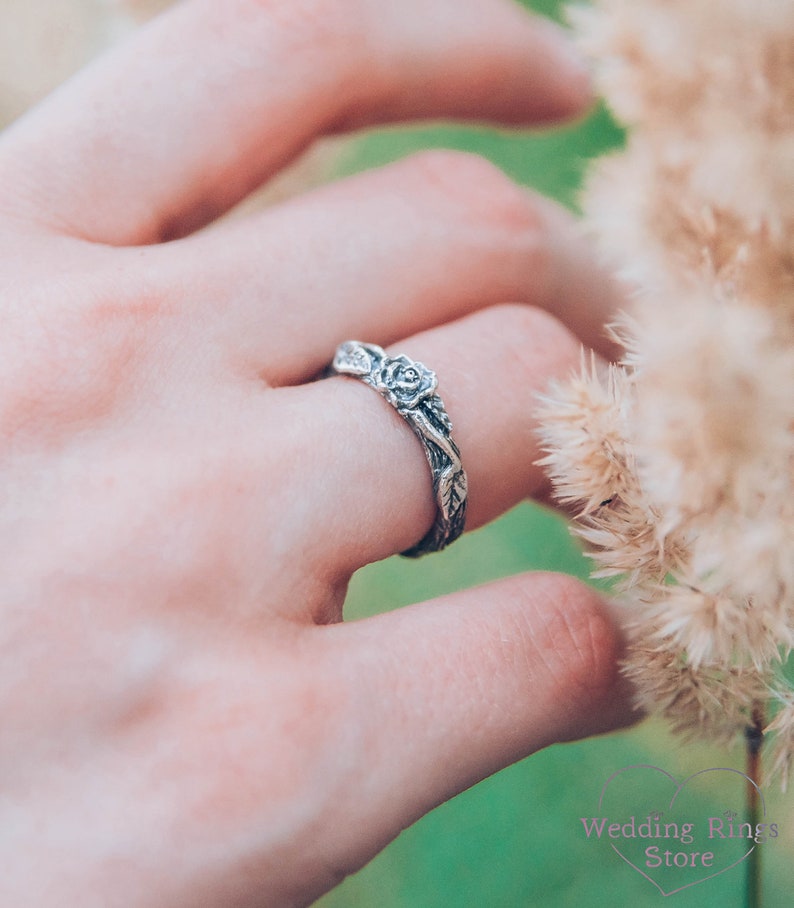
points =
(366, 474)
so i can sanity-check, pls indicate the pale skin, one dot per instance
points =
(186, 721)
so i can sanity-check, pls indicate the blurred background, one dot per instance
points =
(516, 839)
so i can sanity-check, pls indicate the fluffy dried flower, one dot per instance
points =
(681, 461)
(717, 703)
(782, 728)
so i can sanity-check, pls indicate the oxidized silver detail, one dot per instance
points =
(410, 387)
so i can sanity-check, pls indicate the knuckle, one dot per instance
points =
(540, 345)
(69, 361)
(587, 644)
(525, 322)
(295, 732)
(579, 642)
(480, 187)
(308, 24)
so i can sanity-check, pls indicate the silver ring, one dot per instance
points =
(410, 388)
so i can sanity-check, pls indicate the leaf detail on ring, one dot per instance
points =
(437, 415)
(352, 358)
(452, 487)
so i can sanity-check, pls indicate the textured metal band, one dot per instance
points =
(410, 388)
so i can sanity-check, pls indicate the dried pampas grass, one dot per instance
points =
(681, 459)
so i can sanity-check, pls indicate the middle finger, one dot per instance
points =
(382, 256)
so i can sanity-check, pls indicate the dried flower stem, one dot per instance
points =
(754, 737)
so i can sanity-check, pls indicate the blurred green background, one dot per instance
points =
(516, 839)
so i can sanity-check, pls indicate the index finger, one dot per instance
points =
(211, 98)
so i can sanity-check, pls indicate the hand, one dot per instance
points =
(185, 721)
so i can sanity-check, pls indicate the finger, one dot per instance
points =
(456, 689)
(366, 473)
(392, 252)
(208, 100)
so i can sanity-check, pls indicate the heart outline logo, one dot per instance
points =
(678, 789)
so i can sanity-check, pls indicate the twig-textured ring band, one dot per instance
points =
(410, 388)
